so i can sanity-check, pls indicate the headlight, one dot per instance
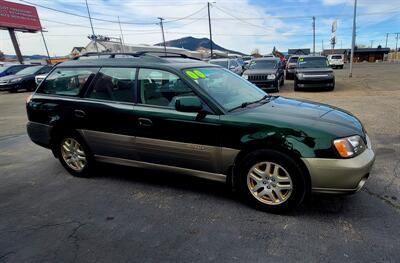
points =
(349, 146)
(300, 75)
(16, 80)
(245, 76)
(271, 76)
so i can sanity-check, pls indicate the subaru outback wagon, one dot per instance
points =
(191, 117)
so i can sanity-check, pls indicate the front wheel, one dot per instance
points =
(74, 155)
(295, 87)
(272, 181)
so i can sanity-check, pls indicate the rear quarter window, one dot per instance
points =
(67, 81)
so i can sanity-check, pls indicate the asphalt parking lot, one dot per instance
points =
(124, 214)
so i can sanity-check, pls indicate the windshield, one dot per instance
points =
(227, 88)
(262, 64)
(29, 70)
(336, 57)
(293, 59)
(222, 63)
(2, 69)
(313, 62)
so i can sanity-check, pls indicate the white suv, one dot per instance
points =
(336, 60)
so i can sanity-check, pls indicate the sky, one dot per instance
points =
(240, 25)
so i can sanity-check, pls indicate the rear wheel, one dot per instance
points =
(74, 155)
(271, 181)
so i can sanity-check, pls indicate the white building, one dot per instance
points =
(117, 47)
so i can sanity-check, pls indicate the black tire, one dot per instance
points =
(298, 180)
(13, 90)
(295, 87)
(88, 167)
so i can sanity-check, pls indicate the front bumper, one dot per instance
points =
(315, 82)
(7, 86)
(265, 84)
(290, 73)
(340, 175)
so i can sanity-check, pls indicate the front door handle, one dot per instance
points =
(145, 122)
(79, 113)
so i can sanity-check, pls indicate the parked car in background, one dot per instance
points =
(265, 73)
(197, 119)
(12, 69)
(24, 79)
(290, 66)
(40, 78)
(336, 60)
(313, 72)
(228, 63)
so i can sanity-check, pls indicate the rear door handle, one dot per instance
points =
(145, 122)
(79, 113)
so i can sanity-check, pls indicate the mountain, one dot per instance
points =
(35, 57)
(192, 43)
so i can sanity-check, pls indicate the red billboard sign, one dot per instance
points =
(19, 17)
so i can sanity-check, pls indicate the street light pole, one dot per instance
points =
(387, 35)
(163, 36)
(313, 24)
(353, 40)
(122, 35)
(209, 26)
(91, 25)
(397, 40)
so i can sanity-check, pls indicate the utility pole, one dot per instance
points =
(122, 35)
(45, 45)
(322, 45)
(209, 26)
(91, 25)
(353, 39)
(313, 25)
(162, 32)
(387, 35)
(372, 43)
(397, 40)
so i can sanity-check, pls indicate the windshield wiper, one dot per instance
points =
(247, 103)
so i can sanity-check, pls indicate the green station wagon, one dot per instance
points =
(187, 116)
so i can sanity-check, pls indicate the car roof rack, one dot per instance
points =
(162, 54)
(165, 54)
(110, 54)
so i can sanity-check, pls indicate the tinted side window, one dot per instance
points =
(115, 84)
(15, 69)
(67, 81)
(44, 70)
(234, 63)
(161, 88)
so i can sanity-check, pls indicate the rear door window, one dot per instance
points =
(161, 88)
(115, 84)
(67, 81)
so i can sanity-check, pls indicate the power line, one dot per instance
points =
(183, 18)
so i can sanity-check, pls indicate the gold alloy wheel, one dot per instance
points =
(269, 183)
(73, 154)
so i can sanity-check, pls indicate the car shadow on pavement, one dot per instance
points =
(314, 204)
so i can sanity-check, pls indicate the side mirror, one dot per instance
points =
(188, 104)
